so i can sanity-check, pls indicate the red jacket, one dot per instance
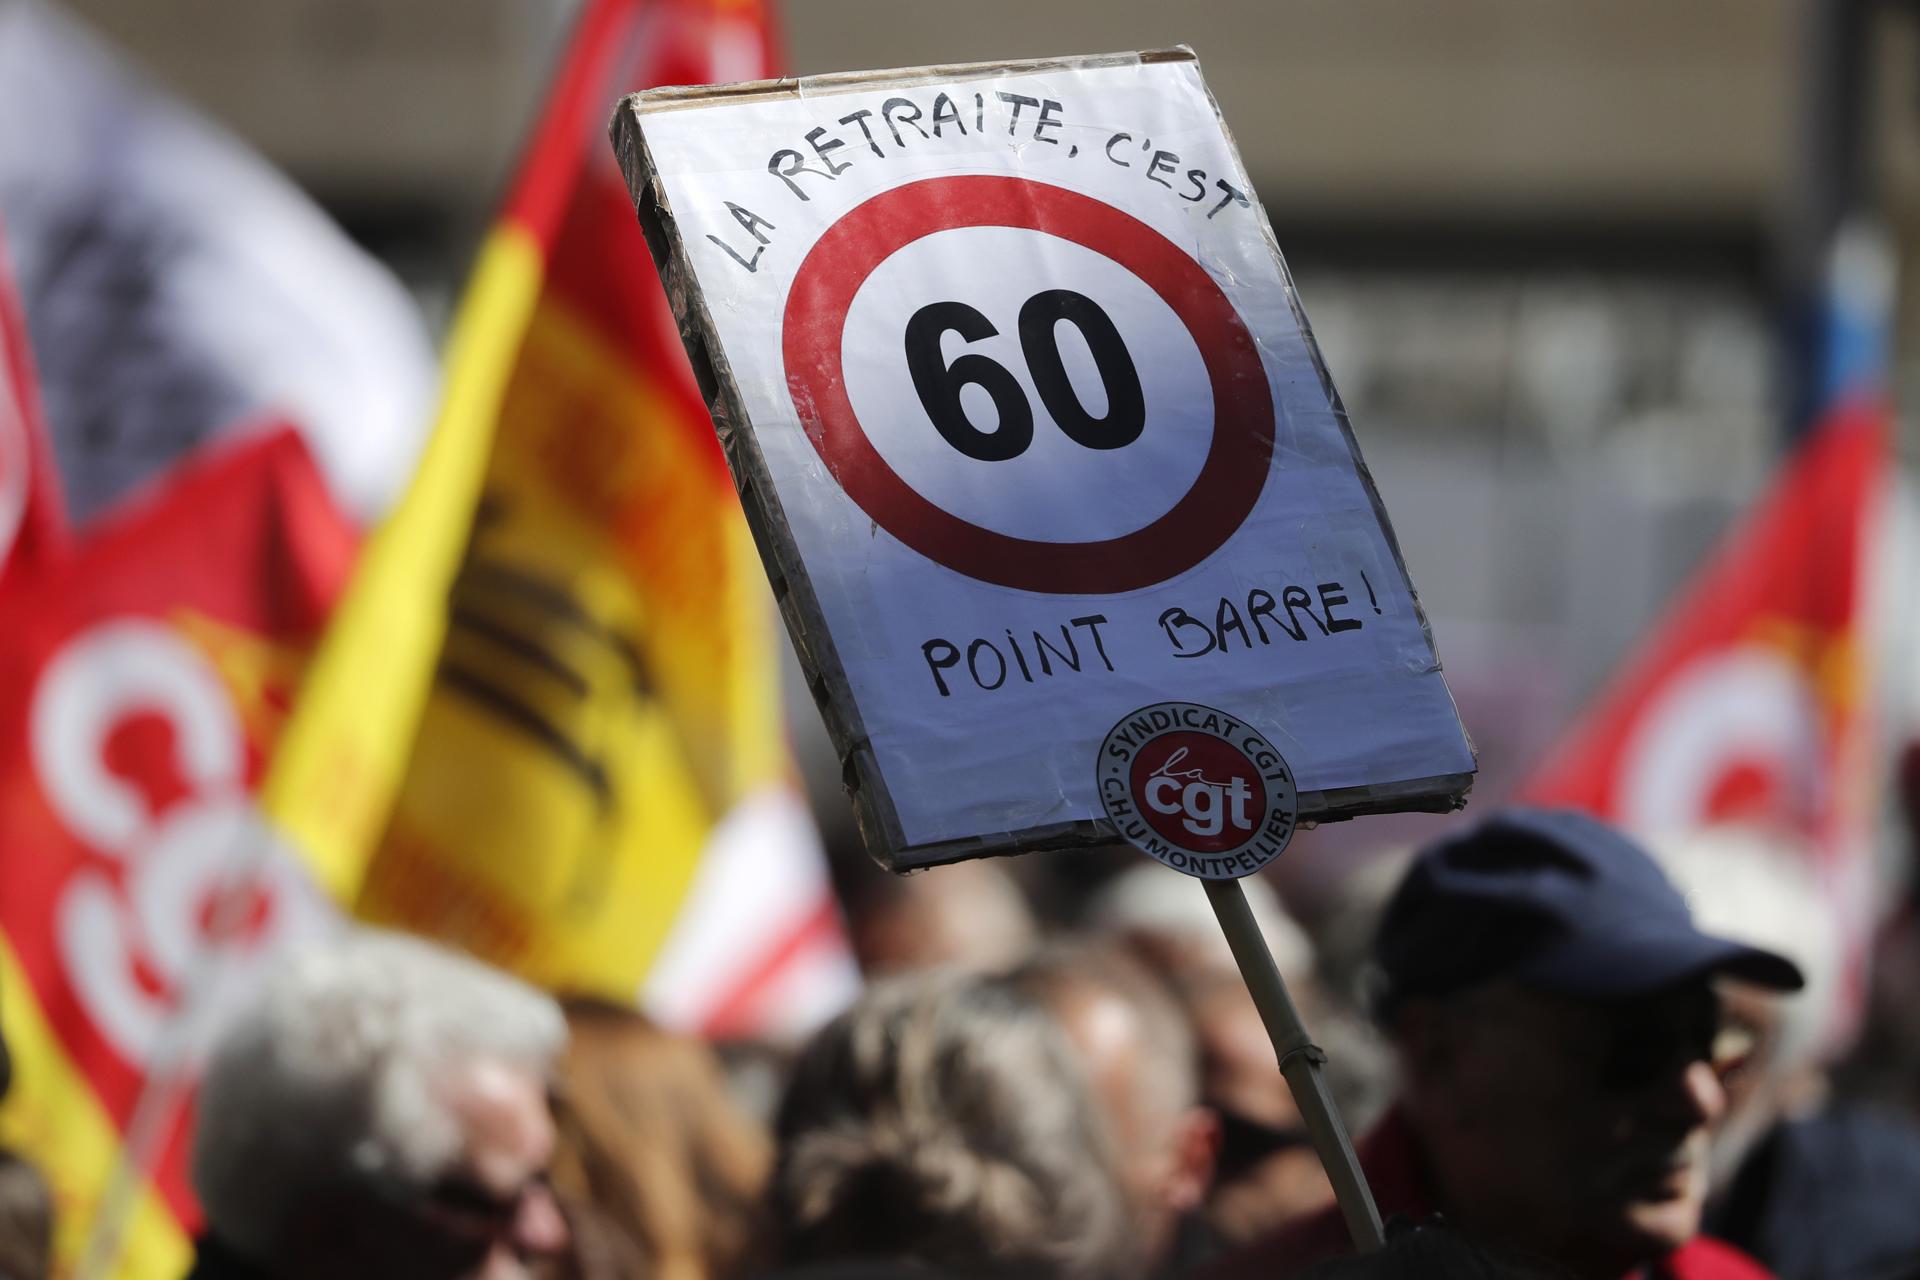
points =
(1393, 1168)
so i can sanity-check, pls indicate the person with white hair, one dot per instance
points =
(1817, 1190)
(380, 1109)
(1266, 1172)
(1139, 1053)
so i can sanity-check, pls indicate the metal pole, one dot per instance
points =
(1300, 1061)
(1832, 186)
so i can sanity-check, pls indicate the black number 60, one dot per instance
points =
(939, 383)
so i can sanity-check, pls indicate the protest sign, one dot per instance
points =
(1062, 509)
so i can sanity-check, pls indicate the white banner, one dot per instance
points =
(178, 289)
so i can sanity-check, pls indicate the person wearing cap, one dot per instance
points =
(1552, 1006)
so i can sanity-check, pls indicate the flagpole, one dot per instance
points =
(170, 1072)
(1300, 1062)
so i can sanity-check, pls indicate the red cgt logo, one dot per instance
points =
(1198, 789)
(1205, 793)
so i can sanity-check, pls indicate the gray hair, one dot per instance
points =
(944, 1118)
(1167, 1082)
(329, 1075)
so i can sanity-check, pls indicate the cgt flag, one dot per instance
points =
(1749, 704)
(143, 679)
(545, 726)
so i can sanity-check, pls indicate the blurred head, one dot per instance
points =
(1554, 1010)
(1266, 1172)
(381, 1110)
(944, 1119)
(969, 915)
(660, 1173)
(1170, 919)
(1135, 1044)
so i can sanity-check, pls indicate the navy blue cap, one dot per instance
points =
(1555, 901)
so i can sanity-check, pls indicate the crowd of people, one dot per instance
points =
(1568, 1057)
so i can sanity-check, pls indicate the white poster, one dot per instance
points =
(1047, 436)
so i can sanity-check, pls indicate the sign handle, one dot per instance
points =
(1300, 1061)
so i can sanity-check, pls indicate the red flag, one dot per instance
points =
(33, 523)
(1749, 703)
(142, 683)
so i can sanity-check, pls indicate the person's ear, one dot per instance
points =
(1195, 1151)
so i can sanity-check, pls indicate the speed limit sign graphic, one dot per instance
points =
(1026, 417)
(1200, 520)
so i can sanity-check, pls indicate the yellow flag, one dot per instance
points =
(555, 679)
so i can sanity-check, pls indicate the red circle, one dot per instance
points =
(1187, 759)
(814, 328)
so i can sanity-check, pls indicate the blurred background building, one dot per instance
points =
(1547, 248)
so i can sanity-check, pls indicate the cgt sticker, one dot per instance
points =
(1197, 789)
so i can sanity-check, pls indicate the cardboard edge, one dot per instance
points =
(676, 97)
(1445, 793)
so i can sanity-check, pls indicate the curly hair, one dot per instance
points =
(943, 1119)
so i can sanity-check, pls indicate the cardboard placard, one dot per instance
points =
(1034, 437)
